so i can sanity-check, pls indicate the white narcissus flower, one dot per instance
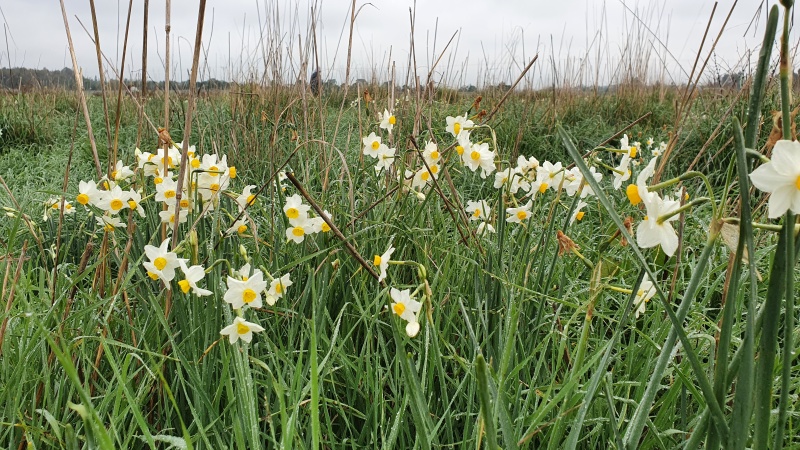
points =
(239, 226)
(550, 175)
(526, 165)
(520, 214)
(484, 228)
(478, 210)
(247, 198)
(114, 200)
(241, 329)
(479, 155)
(110, 223)
(372, 144)
(781, 178)
(457, 125)
(646, 291)
(168, 216)
(135, 202)
(385, 158)
(298, 230)
(578, 213)
(622, 172)
(246, 291)
(407, 308)
(162, 262)
(88, 194)
(388, 121)
(121, 172)
(295, 210)
(431, 153)
(166, 191)
(382, 262)
(463, 144)
(277, 288)
(53, 205)
(191, 276)
(424, 176)
(652, 232)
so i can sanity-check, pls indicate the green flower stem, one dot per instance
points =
(689, 176)
(761, 226)
(690, 205)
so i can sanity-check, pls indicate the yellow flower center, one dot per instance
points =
(116, 204)
(157, 180)
(475, 155)
(250, 199)
(392, 120)
(633, 151)
(459, 150)
(169, 193)
(425, 176)
(580, 215)
(279, 288)
(543, 187)
(67, 206)
(522, 215)
(114, 174)
(195, 163)
(292, 213)
(152, 275)
(477, 213)
(54, 206)
(214, 170)
(399, 308)
(109, 227)
(298, 231)
(132, 204)
(248, 295)
(241, 229)
(160, 263)
(325, 227)
(434, 155)
(184, 203)
(456, 128)
(232, 172)
(434, 169)
(83, 199)
(633, 194)
(242, 329)
(640, 293)
(214, 187)
(376, 261)
(184, 284)
(796, 183)
(375, 145)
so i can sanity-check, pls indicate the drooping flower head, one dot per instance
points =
(407, 308)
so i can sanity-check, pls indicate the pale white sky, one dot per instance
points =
(578, 41)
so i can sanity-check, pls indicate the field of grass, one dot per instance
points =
(554, 330)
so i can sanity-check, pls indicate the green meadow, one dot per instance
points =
(571, 268)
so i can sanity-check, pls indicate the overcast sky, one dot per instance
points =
(578, 41)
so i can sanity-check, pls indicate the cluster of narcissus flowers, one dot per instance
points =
(300, 223)
(207, 183)
(403, 302)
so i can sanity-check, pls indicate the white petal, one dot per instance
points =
(780, 201)
(412, 328)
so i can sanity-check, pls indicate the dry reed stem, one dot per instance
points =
(10, 300)
(102, 82)
(113, 158)
(348, 246)
(81, 93)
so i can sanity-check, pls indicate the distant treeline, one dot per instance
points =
(25, 79)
